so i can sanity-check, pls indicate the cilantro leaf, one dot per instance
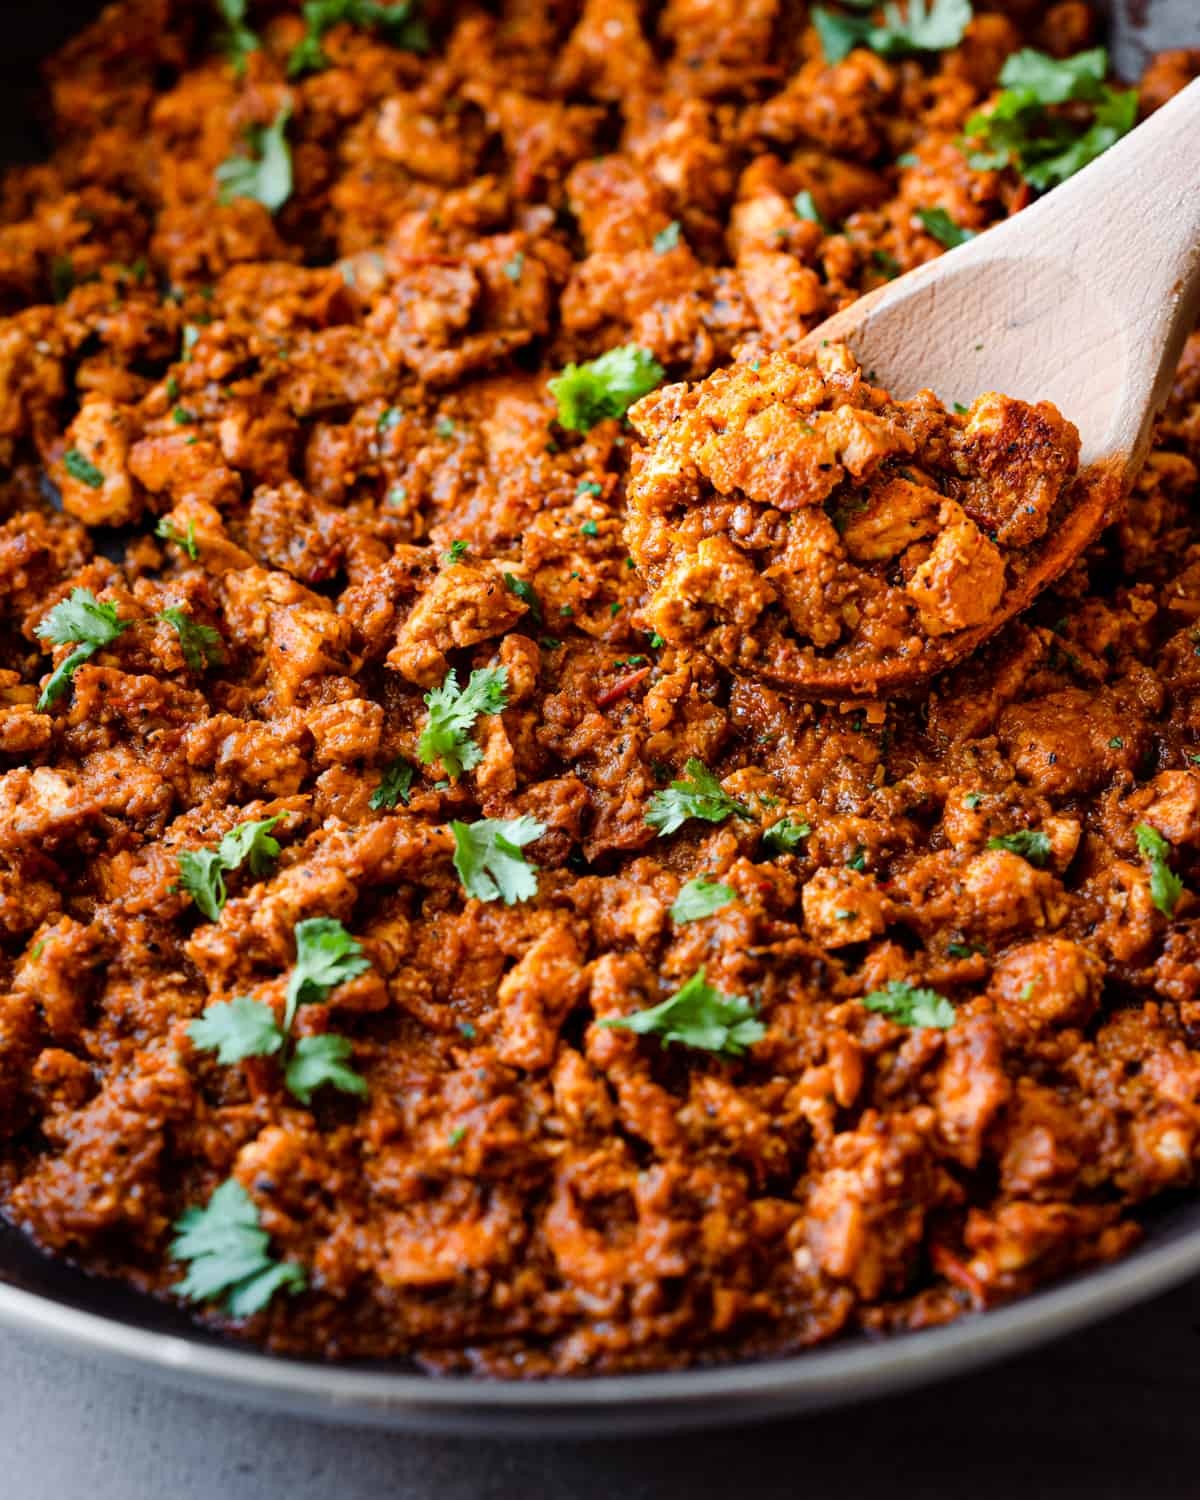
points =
(667, 239)
(488, 858)
(700, 898)
(237, 1029)
(202, 871)
(228, 1252)
(200, 644)
(698, 796)
(319, 1060)
(941, 226)
(1030, 843)
(238, 41)
(1165, 886)
(326, 956)
(910, 1006)
(604, 387)
(523, 590)
(84, 622)
(186, 542)
(250, 844)
(397, 779)
(79, 466)
(399, 24)
(457, 550)
(806, 208)
(698, 1016)
(452, 713)
(1023, 126)
(785, 837)
(928, 26)
(266, 174)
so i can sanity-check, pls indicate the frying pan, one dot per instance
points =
(50, 1299)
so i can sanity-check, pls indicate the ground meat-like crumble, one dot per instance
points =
(784, 506)
(416, 939)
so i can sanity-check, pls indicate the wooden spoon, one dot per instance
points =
(1085, 299)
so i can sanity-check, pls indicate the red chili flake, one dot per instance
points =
(621, 687)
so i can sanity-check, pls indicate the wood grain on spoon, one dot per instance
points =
(1084, 299)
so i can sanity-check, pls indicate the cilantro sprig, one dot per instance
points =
(1030, 843)
(938, 223)
(1165, 886)
(237, 41)
(1027, 127)
(395, 784)
(489, 860)
(401, 25)
(698, 795)
(909, 1005)
(926, 26)
(697, 1015)
(85, 623)
(700, 898)
(185, 541)
(228, 1252)
(452, 715)
(200, 644)
(604, 387)
(265, 174)
(785, 837)
(326, 956)
(202, 871)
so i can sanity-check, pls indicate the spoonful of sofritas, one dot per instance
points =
(821, 519)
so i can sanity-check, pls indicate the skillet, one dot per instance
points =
(49, 1299)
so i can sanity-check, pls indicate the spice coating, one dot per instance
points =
(435, 1058)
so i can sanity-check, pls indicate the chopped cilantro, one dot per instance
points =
(604, 387)
(394, 787)
(200, 644)
(237, 1029)
(698, 796)
(228, 1252)
(961, 409)
(266, 173)
(858, 860)
(444, 428)
(514, 267)
(326, 956)
(489, 861)
(1165, 886)
(1026, 127)
(80, 467)
(185, 542)
(785, 836)
(1116, 743)
(181, 416)
(909, 1006)
(972, 800)
(85, 623)
(667, 239)
(925, 26)
(401, 25)
(942, 227)
(700, 898)
(697, 1015)
(452, 714)
(1030, 843)
(589, 528)
(524, 591)
(457, 550)
(589, 487)
(238, 41)
(320, 1060)
(964, 950)
(885, 262)
(806, 208)
(202, 871)
(456, 1136)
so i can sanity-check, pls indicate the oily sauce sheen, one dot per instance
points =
(312, 423)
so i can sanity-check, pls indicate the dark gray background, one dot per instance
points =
(1108, 1413)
